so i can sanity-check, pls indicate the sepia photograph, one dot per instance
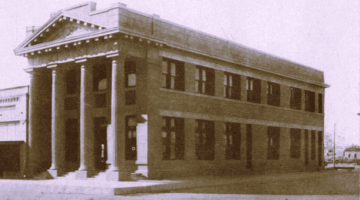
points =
(180, 99)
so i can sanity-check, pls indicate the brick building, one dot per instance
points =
(124, 92)
(13, 134)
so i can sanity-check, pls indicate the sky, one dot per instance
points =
(322, 34)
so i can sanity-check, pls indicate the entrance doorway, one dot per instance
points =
(72, 147)
(100, 143)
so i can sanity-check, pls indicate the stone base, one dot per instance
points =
(118, 176)
(53, 173)
(143, 170)
(81, 175)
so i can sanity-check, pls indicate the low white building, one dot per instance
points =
(352, 153)
(13, 130)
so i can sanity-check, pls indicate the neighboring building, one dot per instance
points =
(352, 153)
(13, 134)
(127, 92)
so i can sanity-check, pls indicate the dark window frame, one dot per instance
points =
(173, 137)
(205, 140)
(232, 88)
(130, 97)
(320, 103)
(313, 145)
(253, 88)
(100, 100)
(99, 73)
(295, 98)
(309, 101)
(320, 145)
(273, 94)
(173, 74)
(205, 80)
(130, 69)
(72, 81)
(273, 143)
(233, 141)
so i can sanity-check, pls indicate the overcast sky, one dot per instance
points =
(323, 34)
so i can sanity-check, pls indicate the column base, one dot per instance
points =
(143, 170)
(83, 174)
(53, 173)
(118, 176)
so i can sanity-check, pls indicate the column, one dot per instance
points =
(116, 130)
(57, 122)
(86, 123)
(142, 145)
(32, 156)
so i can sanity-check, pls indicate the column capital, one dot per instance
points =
(29, 70)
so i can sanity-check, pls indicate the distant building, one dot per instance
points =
(119, 91)
(13, 131)
(352, 153)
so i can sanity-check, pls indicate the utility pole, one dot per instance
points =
(334, 144)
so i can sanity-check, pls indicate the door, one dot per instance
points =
(72, 147)
(100, 143)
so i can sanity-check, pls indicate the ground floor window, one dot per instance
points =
(273, 143)
(204, 140)
(312, 145)
(295, 143)
(173, 138)
(130, 140)
(232, 140)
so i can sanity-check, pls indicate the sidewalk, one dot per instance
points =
(68, 186)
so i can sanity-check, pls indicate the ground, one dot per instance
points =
(329, 184)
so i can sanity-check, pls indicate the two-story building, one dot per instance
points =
(123, 92)
(13, 131)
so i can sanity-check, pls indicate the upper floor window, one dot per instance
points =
(273, 94)
(295, 143)
(320, 104)
(204, 80)
(71, 81)
(232, 140)
(130, 74)
(309, 101)
(172, 74)
(295, 98)
(253, 88)
(99, 77)
(232, 86)
(173, 138)
(273, 147)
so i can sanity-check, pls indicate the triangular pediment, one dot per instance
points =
(60, 27)
(69, 29)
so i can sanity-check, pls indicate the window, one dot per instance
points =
(130, 97)
(309, 101)
(204, 80)
(232, 86)
(273, 94)
(100, 100)
(295, 98)
(173, 138)
(320, 103)
(99, 77)
(295, 143)
(273, 143)
(204, 140)
(172, 74)
(130, 74)
(233, 141)
(320, 151)
(130, 140)
(253, 88)
(71, 103)
(248, 146)
(71, 81)
(312, 145)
